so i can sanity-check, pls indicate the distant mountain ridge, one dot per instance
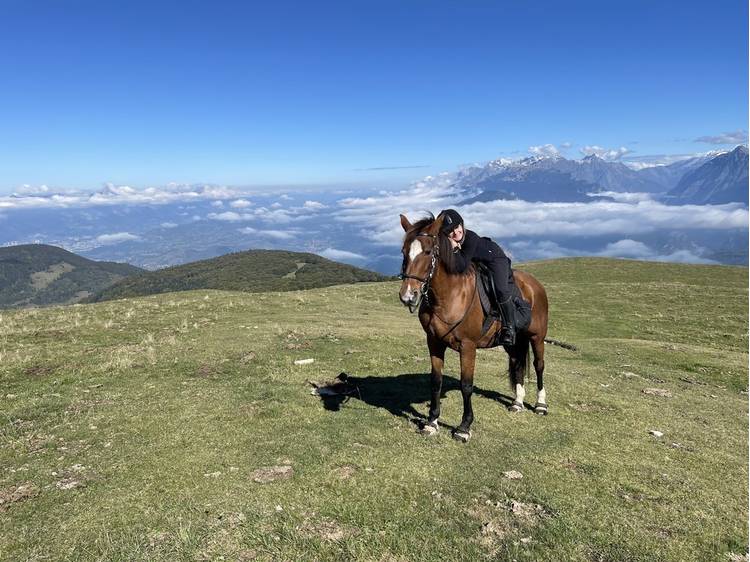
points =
(38, 275)
(252, 270)
(708, 179)
(723, 179)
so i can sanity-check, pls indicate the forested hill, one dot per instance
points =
(38, 274)
(253, 270)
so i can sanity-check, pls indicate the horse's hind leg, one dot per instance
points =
(537, 346)
(517, 364)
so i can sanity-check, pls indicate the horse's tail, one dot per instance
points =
(562, 344)
(523, 359)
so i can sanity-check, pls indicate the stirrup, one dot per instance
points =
(505, 336)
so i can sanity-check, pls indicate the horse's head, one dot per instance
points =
(420, 251)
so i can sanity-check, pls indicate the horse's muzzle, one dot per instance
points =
(410, 299)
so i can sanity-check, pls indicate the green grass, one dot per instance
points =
(154, 396)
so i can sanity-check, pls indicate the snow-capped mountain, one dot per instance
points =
(723, 179)
(557, 179)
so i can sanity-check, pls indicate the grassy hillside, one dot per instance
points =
(37, 274)
(254, 270)
(178, 427)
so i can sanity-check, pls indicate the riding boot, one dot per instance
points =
(507, 334)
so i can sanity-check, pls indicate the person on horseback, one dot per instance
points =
(468, 246)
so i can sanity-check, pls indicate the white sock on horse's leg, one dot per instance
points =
(541, 397)
(520, 393)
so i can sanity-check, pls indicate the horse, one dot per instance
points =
(451, 315)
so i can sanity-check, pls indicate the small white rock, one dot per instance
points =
(212, 474)
(655, 433)
(513, 475)
(304, 361)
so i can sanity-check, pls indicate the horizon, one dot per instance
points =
(299, 95)
(543, 152)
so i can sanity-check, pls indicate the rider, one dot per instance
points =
(467, 246)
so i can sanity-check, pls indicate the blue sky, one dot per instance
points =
(300, 93)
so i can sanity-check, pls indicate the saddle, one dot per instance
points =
(487, 296)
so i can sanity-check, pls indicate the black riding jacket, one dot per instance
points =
(474, 247)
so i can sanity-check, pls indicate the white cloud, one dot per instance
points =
(168, 224)
(377, 217)
(342, 255)
(285, 197)
(624, 197)
(229, 216)
(638, 250)
(609, 154)
(508, 219)
(240, 204)
(315, 205)
(115, 238)
(544, 150)
(217, 203)
(269, 233)
(42, 197)
(735, 137)
(27, 189)
(625, 248)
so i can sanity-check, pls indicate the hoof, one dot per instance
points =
(516, 407)
(429, 428)
(461, 435)
(540, 408)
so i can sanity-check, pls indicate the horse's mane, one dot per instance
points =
(445, 249)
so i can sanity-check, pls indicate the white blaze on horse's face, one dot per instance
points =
(414, 250)
(410, 287)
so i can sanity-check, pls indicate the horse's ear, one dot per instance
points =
(405, 223)
(437, 225)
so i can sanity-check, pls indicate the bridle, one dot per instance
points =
(425, 281)
(425, 287)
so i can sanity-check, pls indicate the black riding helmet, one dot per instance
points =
(451, 220)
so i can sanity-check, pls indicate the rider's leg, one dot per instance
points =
(501, 273)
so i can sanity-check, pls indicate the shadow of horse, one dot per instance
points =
(397, 394)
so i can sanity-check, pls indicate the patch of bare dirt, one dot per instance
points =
(70, 483)
(271, 473)
(17, 494)
(247, 358)
(345, 472)
(527, 511)
(324, 529)
(504, 519)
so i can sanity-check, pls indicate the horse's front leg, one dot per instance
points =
(468, 359)
(437, 359)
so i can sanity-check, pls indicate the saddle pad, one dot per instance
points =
(485, 286)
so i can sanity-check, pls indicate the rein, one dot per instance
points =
(425, 287)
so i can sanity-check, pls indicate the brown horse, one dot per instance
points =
(451, 315)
